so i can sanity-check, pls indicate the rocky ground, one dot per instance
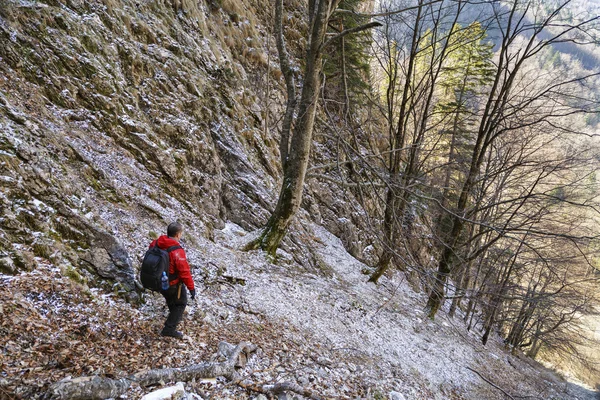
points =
(325, 330)
(117, 118)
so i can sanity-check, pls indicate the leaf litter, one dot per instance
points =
(336, 335)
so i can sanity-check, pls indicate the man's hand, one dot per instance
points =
(193, 294)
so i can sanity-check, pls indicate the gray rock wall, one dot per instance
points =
(117, 117)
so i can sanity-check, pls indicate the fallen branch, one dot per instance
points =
(492, 383)
(97, 387)
(514, 397)
(279, 388)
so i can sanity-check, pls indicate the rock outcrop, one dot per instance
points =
(112, 113)
(117, 117)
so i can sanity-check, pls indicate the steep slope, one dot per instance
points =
(117, 117)
(336, 336)
(113, 109)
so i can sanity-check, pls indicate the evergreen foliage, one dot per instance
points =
(467, 70)
(346, 65)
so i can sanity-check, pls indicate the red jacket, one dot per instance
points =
(178, 265)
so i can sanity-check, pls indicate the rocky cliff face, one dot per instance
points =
(117, 117)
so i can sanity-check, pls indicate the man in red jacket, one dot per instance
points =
(179, 275)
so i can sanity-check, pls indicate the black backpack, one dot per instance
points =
(156, 261)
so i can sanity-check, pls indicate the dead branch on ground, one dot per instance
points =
(98, 387)
(279, 388)
(514, 397)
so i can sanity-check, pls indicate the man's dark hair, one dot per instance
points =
(173, 229)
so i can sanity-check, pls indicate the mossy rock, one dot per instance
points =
(90, 44)
(30, 220)
(24, 261)
(321, 266)
(71, 272)
(43, 250)
(68, 233)
(7, 266)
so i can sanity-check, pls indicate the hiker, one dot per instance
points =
(179, 275)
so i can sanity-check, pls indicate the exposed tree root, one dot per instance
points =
(97, 387)
(279, 388)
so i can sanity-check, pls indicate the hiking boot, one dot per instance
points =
(175, 334)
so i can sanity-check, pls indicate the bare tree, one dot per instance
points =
(511, 106)
(410, 101)
(299, 118)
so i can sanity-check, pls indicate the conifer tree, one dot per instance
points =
(346, 65)
(468, 69)
(516, 103)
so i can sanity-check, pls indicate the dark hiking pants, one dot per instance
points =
(176, 298)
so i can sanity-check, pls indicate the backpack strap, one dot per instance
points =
(169, 250)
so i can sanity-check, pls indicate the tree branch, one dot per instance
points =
(290, 84)
(500, 389)
(388, 13)
(350, 31)
(279, 388)
(491, 383)
(97, 387)
(342, 183)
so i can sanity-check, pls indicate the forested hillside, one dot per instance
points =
(393, 199)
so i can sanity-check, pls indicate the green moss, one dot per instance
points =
(215, 5)
(190, 240)
(119, 290)
(114, 197)
(42, 250)
(92, 177)
(153, 235)
(322, 266)
(377, 395)
(61, 22)
(53, 234)
(68, 233)
(180, 161)
(7, 266)
(94, 180)
(30, 220)
(54, 94)
(89, 44)
(70, 272)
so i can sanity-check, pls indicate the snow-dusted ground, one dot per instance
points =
(379, 333)
(325, 329)
(333, 332)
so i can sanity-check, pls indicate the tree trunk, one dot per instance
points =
(296, 164)
(462, 283)
(489, 323)
(487, 127)
(393, 207)
(344, 82)
(459, 291)
(389, 236)
(473, 295)
(437, 294)
(288, 75)
(497, 298)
